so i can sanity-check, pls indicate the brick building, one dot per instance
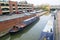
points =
(9, 7)
(24, 6)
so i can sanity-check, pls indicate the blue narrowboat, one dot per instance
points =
(47, 33)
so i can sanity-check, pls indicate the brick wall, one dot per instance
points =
(0, 9)
(11, 3)
(32, 7)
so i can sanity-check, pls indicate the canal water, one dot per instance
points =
(31, 32)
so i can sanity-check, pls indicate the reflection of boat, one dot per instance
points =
(47, 33)
(20, 26)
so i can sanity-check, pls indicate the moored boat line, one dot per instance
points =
(20, 22)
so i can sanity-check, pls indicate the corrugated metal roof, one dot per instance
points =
(49, 25)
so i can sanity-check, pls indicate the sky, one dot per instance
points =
(39, 2)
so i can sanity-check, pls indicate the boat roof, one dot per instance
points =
(49, 25)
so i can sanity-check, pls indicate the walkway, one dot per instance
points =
(58, 26)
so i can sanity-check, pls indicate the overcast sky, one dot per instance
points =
(39, 2)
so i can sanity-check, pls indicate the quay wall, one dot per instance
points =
(10, 23)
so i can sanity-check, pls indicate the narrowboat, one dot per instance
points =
(22, 25)
(48, 33)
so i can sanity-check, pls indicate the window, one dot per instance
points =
(19, 5)
(13, 5)
(2, 4)
(13, 8)
(7, 4)
(19, 8)
(24, 8)
(5, 9)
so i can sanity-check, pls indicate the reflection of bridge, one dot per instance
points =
(53, 7)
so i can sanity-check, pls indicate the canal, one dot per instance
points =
(31, 32)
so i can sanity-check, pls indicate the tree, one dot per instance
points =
(45, 7)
